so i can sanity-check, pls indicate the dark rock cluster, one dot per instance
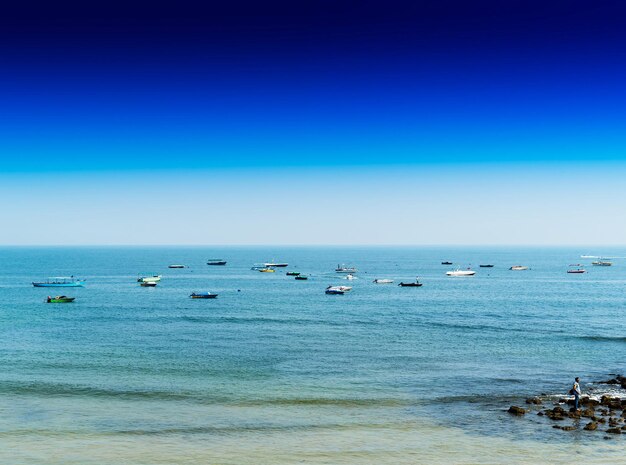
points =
(608, 414)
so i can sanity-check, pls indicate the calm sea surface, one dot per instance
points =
(274, 371)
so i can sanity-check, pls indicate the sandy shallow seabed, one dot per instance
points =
(406, 443)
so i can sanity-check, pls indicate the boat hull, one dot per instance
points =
(75, 284)
(217, 263)
(203, 296)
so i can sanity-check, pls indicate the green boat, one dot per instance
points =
(60, 299)
(293, 273)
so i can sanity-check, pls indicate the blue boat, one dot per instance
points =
(203, 295)
(61, 282)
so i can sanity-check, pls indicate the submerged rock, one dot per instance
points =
(614, 431)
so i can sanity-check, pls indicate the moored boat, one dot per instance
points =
(338, 289)
(60, 299)
(216, 262)
(350, 277)
(301, 277)
(446, 263)
(61, 281)
(149, 279)
(486, 266)
(602, 263)
(148, 284)
(518, 268)
(203, 295)
(577, 271)
(267, 270)
(292, 273)
(383, 281)
(345, 269)
(276, 265)
(411, 284)
(177, 266)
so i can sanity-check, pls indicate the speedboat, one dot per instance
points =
(60, 299)
(602, 263)
(577, 271)
(176, 266)
(216, 261)
(149, 279)
(61, 282)
(345, 269)
(518, 268)
(203, 295)
(338, 289)
(459, 272)
(382, 281)
(350, 277)
(415, 284)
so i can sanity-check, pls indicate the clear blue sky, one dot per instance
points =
(315, 122)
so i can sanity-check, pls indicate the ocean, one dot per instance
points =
(274, 371)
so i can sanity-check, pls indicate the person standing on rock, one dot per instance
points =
(576, 392)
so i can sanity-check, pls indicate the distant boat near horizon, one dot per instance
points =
(446, 263)
(345, 269)
(577, 271)
(485, 266)
(177, 266)
(61, 281)
(602, 262)
(60, 299)
(518, 268)
(203, 295)
(149, 279)
(276, 265)
(383, 281)
(216, 262)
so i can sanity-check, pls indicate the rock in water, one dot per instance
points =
(614, 431)
(514, 410)
(591, 426)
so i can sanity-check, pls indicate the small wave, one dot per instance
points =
(603, 338)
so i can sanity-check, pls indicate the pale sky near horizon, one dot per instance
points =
(436, 204)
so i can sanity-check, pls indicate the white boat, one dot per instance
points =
(149, 279)
(275, 265)
(518, 268)
(459, 272)
(350, 277)
(345, 269)
(339, 288)
(382, 281)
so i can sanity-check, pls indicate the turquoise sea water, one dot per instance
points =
(275, 371)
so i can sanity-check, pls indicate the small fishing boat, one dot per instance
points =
(301, 277)
(518, 268)
(577, 271)
(267, 270)
(486, 266)
(292, 273)
(461, 273)
(61, 281)
(148, 284)
(149, 279)
(383, 281)
(602, 263)
(177, 266)
(60, 299)
(339, 288)
(415, 284)
(203, 295)
(334, 292)
(216, 262)
(345, 269)
(446, 263)
(577, 264)
(276, 265)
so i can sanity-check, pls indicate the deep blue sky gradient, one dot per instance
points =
(123, 86)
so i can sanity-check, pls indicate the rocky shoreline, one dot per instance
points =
(606, 414)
